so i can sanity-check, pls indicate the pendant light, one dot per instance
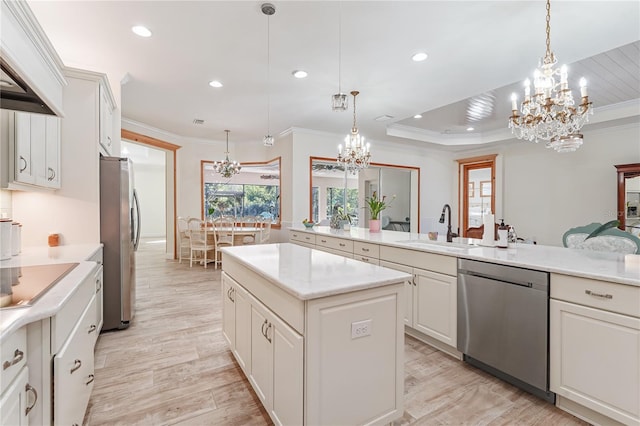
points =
(227, 168)
(268, 9)
(339, 101)
(356, 154)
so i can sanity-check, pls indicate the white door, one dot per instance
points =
(13, 403)
(288, 374)
(52, 153)
(24, 170)
(262, 356)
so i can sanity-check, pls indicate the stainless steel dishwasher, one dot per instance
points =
(503, 326)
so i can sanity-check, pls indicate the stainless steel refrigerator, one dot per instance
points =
(120, 234)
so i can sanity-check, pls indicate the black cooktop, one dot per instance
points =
(23, 285)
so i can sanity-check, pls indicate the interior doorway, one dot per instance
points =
(478, 194)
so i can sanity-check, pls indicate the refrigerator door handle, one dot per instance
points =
(136, 241)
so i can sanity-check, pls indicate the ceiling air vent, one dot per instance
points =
(198, 121)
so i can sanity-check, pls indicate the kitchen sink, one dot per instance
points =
(430, 243)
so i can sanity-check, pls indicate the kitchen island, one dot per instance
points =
(320, 337)
(594, 308)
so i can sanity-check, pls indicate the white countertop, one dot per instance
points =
(614, 267)
(309, 274)
(11, 319)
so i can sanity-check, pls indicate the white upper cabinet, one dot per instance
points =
(33, 142)
(106, 121)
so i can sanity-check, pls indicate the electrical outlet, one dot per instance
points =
(360, 329)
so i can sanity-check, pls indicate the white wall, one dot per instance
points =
(543, 193)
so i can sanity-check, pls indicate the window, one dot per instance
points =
(477, 176)
(255, 191)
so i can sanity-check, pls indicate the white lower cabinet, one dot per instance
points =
(73, 371)
(408, 290)
(595, 359)
(14, 407)
(261, 356)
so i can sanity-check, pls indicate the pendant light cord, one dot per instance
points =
(340, 47)
(268, 76)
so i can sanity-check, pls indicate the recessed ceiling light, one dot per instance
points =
(215, 83)
(417, 116)
(419, 57)
(141, 31)
(299, 74)
(470, 129)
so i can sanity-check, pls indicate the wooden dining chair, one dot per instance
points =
(183, 237)
(223, 236)
(266, 231)
(199, 242)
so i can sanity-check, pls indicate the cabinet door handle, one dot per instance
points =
(29, 388)
(266, 334)
(604, 296)
(92, 329)
(52, 174)
(91, 379)
(98, 285)
(413, 280)
(22, 169)
(17, 357)
(264, 331)
(76, 364)
(229, 293)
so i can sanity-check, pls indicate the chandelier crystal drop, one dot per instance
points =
(356, 154)
(227, 168)
(551, 113)
(339, 101)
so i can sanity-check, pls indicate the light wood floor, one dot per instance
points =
(173, 367)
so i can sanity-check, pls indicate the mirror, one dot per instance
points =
(255, 191)
(629, 197)
(332, 187)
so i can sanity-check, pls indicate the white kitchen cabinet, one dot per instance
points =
(435, 303)
(73, 371)
(594, 348)
(409, 286)
(236, 321)
(34, 147)
(106, 121)
(97, 279)
(261, 376)
(14, 404)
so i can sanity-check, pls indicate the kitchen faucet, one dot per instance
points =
(450, 234)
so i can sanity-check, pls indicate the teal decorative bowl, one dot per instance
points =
(308, 224)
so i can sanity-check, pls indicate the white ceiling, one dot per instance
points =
(475, 48)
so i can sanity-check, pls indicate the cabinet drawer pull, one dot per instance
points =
(91, 379)
(52, 174)
(29, 388)
(266, 334)
(366, 250)
(307, 238)
(364, 259)
(22, 169)
(92, 329)
(295, 235)
(17, 357)
(76, 364)
(323, 241)
(604, 296)
(341, 244)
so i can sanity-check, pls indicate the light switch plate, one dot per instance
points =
(360, 329)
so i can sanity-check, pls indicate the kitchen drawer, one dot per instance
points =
(420, 259)
(335, 243)
(64, 321)
(366, 249)
(73, 372)
(366, 259)
(303, 237)
(14, 356)
(619, 298)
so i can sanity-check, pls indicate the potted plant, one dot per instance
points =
(340, 218)
(376, 205)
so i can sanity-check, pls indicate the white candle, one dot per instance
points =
(527, 89)
(563, 74)
(514, 105)
(340, 149)
(583, 87)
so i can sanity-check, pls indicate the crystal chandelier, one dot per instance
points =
(268, 9)
(355, 155)
(551, 113)
(339, 101)
(227, 168)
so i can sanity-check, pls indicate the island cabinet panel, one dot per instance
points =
(594, 344)
(353, 375)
